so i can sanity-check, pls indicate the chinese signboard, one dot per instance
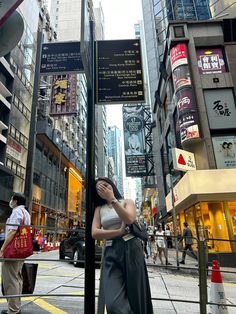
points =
(134, 142)
(225, 151)
(183, 160)
(63, 98)
(178, 56)
(187, 120)
(74, 200)
(61, 57)
(119, 72)
(187, 115)
(221, 109)
(181, 77)
(14, 149)
(210, 61)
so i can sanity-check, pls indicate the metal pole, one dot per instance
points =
(202, 277)
(174, 220)
(89, 304)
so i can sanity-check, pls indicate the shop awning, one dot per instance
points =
(203, 185)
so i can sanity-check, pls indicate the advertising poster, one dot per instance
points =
(221, 109)
(178, 56)
(63, 95)
(181, 77)
(134, 143)
(210, 61)
(187, 115)
(225, 151)
(74, 200)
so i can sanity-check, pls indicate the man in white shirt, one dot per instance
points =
(12, 270)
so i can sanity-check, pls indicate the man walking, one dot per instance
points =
(12, 270)
(187, 236)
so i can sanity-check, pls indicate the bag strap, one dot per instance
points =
(23, 216)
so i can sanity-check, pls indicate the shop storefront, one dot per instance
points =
(206, 200)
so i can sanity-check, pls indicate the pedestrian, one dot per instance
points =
(125, 279)
(161, 245)
(187, 236)
(12, 270)
(168, 237)
(154, 251)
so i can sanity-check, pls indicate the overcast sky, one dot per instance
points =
(119, 18)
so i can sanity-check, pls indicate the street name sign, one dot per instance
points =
(119, 73)
(183, 160)
(61, 58)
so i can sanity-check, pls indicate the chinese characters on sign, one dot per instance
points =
(119, 72)
(225, 151)
(187, 120)
(63, 100)
(221, 108)
(61, 57)
(134, 142)
(210, 61)
(178, 56)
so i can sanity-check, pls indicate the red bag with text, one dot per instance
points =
(21, 245)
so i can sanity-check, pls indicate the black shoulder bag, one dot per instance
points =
(138, 230)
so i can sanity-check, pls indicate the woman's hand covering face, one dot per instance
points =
(105, 190)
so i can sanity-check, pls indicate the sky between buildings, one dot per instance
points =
(119, 18)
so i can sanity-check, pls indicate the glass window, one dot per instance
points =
(215, 226)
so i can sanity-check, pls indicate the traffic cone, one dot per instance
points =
(217, 294)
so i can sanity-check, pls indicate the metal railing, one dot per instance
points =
(203, 270)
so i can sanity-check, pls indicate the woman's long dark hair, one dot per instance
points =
(98, 201)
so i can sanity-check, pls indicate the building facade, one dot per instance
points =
(223, 8)
(197, 113)
(16, 95)
(115, 151)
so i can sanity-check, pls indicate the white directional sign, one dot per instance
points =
(183, 160)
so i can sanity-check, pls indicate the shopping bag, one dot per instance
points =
(21, 245)
(29, 274)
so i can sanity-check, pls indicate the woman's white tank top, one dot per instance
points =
(109, 217)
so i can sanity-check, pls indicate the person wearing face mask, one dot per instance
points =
(125, 279)
(12, 270)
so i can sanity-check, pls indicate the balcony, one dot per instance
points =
(4, 91)
(5, 68)
(5, 102)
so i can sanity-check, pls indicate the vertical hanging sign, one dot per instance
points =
(135, 157)
(186, 105)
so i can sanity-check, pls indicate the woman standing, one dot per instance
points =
(168, 237)
(125, 283)
(161, 244)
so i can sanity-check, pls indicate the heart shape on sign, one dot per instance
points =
(181, 160)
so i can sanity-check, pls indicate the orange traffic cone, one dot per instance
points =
(217, 294)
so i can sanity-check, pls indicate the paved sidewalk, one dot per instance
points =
(191, 268)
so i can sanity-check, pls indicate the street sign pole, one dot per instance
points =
(170, 183)
(89, 304)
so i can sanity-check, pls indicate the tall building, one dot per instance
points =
(115, 151)
(17, 70)
(195, 92)
(101, 112)
(223, 8)
(157, 14)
